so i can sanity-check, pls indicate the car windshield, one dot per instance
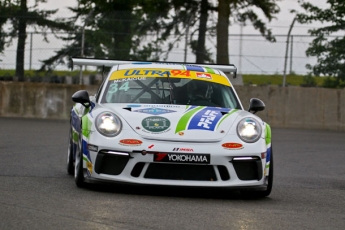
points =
(176, 89)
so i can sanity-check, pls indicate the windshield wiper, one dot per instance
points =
(170, 88)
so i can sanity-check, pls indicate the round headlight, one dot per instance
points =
(108, 124)
(249, 130)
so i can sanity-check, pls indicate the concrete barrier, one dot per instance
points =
(37, 100)
(289, 107)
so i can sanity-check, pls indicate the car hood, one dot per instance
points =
(176, 122)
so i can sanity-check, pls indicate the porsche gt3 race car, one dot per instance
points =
(172, 124)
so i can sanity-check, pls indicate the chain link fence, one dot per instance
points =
(252, 54)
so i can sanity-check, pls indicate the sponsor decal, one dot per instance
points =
(129, 79)
(154, 111)
(181, 71)
(130, 142)
(181, 133)
(204, 75)
(232, 145)
(155, 124)
(182, 158)
(176, 72)
(150, 72)
(183, 150)
(205, 119)
(151, 146)
(202, 118)
(165, 106)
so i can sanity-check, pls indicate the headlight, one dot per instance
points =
(108, 124)
(249, 130)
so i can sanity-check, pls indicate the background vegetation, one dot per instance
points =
(118, 29)
(248, 79)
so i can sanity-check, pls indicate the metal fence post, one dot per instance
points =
(291, 53)
(286, 51)
(30, 65)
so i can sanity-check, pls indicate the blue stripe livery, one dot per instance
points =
(195, 68)
(268, 154)
(207, 118)
(86, 150)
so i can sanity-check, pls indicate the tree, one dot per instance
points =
(202, 54)
(242, 10)
(329, 51)
(118, 29)
(5, 11)
(115, 31)
(20, 18)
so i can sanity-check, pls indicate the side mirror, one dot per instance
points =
(82, 97)
(256, 105)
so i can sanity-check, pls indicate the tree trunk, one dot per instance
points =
(200, 51)
(123, 19)
(21, 41)
(223, 32)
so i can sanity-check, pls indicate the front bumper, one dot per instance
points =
(238, 169)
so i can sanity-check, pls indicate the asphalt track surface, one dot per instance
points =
(37, 193)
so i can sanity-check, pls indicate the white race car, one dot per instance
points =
(170, 124)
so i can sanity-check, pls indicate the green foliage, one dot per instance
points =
(6, 10)
(247, 11)
(332, 82)
(248, 79)
(19, 16)
(329, 51)
(309, 81)
(242, 11)
(294, 80)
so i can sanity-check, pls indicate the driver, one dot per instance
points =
(200, 93)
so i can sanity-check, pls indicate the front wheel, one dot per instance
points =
(78, 165)
(70, 160)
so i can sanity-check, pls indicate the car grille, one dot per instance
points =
(180, 172)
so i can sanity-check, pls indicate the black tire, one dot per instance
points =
(78, 165)
(262, 193)
(70, 158)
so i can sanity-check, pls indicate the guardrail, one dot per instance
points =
(288, 107)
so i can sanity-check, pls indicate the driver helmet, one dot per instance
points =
(198, 89)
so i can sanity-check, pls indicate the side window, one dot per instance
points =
(99, 91)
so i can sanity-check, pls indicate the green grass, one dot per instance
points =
(296, 80)
(31, 73)
(248, 79)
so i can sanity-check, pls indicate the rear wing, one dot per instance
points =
(110, 63)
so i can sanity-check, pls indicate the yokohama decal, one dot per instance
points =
(182, 158)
